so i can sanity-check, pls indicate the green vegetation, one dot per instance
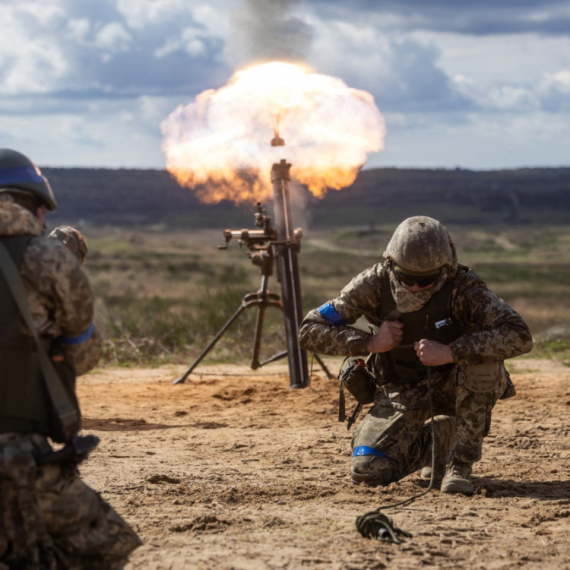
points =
(554, 349)
(162, 295)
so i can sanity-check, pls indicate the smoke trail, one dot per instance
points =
(266, 30)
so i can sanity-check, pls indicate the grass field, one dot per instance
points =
(161, 295)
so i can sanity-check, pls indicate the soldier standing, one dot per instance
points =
(49, 518)
(438, 322)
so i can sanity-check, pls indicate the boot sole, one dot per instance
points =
(466, 488)
(366, 479)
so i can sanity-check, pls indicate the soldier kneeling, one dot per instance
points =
(438, 323)
(49, 518)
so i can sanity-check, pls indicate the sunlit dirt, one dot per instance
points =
(234, 470)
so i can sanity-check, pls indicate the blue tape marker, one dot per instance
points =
(331, 314)
(363, 450)
(79, 338)
(19, 174)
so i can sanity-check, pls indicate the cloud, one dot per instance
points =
(403, 74)
(555, 92)
(113, 38)
(191, 40)
(102, 75)
(82, 50)
(484, 17)
(548, 94)
(33, 66)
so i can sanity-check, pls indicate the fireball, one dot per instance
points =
(220, 144)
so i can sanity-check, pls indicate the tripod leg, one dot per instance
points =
(257, 338)
(273, 358)
(213, 342)
(324, 367)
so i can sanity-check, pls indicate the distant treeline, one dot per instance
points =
(382, 195)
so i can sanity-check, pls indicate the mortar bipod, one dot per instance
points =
(261, 299)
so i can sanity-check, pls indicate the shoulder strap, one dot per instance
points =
(68, 414)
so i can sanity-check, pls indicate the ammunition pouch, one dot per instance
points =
(356, 377)
(488, 376)
(484, 377)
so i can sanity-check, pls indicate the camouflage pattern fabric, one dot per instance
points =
(24, 541)
(497, 331)
(51, 519)
(421, 244)
(397, 425)
(73, 239)
(85, 356)
(58, 291)
(408, 301)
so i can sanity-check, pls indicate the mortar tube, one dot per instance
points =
(288, 273)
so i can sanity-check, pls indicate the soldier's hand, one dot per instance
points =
(433, 353)
(388, 336)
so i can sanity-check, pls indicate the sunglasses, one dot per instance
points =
(421, 281)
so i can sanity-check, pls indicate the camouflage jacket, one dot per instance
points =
(58, 292)
(496, 330)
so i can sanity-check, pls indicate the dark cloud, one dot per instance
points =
(402, 74)
(484, 17)
(454, 5)
(137, 71)
(418, 84)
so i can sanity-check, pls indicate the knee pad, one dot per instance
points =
(372, 466)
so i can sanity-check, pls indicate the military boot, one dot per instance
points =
(457, 479)
(444, 427)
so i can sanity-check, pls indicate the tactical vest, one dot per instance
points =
(25, 405)
(433, 321)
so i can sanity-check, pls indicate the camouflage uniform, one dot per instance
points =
(73, 239)
(48, 517)
(395, 426)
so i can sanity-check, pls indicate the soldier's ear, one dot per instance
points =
(41, 214)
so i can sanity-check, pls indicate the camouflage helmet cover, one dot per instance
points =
(421, 246)
(73, 239)
(18, 172)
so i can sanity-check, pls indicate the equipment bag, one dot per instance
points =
(358, 380)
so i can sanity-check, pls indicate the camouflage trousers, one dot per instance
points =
(50, 519)
(394, 439)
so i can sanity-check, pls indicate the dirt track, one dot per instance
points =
(235, 471)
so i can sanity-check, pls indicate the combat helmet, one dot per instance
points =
(73, 239)
(18, 172)
(421, 246)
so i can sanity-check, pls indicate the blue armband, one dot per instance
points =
(363, 450)
(331, 315)
(79, 338)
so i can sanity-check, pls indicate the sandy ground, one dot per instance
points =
(235, 471)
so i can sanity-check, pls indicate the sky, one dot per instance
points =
(479, 85)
